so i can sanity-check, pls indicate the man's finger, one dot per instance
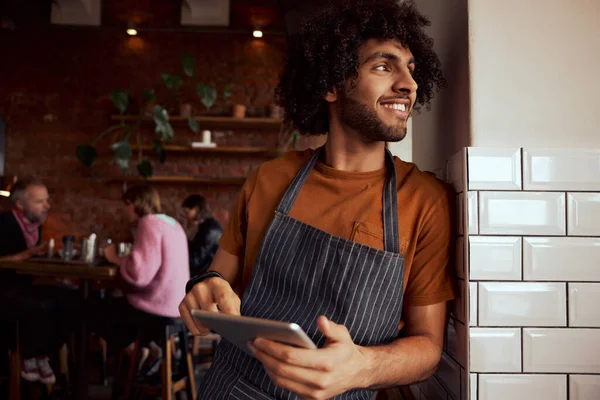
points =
(332, 331)
(188, 319)
(281, 370)
(318, 359)
(189, 303)
(225, 298)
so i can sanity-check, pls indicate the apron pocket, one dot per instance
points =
(243, 390)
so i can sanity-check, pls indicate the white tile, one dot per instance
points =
(473, 299)
(522, 304)
(495, 350)
(561, 169)
(432, 390)
(521, 213)
(460, 213)
(494, 168)
(495, 258)
(448, 374)
(472, 211)
(456, 171)
(584, 301)
(457, 341)
(473, 387)
(583, 210)
(561, 259)
(584, 387)
(561, 350)
(460, 257)
(530, 387)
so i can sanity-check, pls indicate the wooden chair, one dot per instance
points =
(171, 382)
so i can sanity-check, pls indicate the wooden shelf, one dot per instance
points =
(214, 122)
(228, 181)
(223, 150)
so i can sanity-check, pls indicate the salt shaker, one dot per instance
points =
(51, 248)
(90, 253)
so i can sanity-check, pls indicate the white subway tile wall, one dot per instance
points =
(495, 258)
(584, 304)
(584, 387)
(495, 349)
(522, 213)
(533, 268)
(494, 169)
(450, 381)
(561, 169)
(524, 386)
(583, 210)
(522, 304)
(473, 222)
(561, 350)
(561, 259)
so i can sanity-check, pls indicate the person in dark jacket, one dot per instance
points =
(203, 233)
(36, 308)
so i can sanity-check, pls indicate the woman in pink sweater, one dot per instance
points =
(153, 276)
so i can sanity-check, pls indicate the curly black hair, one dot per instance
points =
(324, 55)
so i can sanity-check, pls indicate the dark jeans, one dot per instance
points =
(46, 316)
(118, 322)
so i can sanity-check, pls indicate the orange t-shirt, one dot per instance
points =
(349, 205)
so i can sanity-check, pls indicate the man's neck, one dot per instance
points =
(349, 151)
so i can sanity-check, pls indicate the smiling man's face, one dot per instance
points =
(379, 101)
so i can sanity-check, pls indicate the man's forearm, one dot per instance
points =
(10, 258)
(403, 362)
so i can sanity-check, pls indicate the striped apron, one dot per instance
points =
(302, 272)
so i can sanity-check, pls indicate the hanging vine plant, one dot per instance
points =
(122, 151)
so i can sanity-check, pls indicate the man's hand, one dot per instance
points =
(27, 254)
(213, 294)
(315, 374)
(110, 253)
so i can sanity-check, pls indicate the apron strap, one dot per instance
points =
(390, 198)
(390, 207)
(289, 198)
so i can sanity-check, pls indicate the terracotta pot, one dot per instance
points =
(239, 111)
(275, 111)
(185, 110)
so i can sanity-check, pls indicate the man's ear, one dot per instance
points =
(20, 204)
(331, 96)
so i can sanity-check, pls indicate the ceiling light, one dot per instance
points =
(257, 33)
(4, 193)
(131, 29)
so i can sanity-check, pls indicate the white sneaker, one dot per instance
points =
(30, 371)
(46, 374)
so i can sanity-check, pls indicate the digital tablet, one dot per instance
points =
(241, 330)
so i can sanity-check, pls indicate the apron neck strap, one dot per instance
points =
(390, 198)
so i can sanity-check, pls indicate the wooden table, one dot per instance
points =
(86, 273)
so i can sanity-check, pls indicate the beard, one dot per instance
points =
(364, 120)
(41, 218)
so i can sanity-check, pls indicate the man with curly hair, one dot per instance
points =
(347, 241)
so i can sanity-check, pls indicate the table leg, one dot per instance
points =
(81, 381)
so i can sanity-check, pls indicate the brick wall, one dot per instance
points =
(55, 96)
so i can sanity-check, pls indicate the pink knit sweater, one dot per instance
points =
(158, 266)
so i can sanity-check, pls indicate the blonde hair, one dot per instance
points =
(145, 199)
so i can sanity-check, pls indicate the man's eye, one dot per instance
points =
(382, 68)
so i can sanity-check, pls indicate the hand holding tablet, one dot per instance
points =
(240, 330)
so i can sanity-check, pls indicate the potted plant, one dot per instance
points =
(122, 151)
(175, 83)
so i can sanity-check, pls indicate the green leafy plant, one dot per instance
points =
(122, 151)
(175, 83)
